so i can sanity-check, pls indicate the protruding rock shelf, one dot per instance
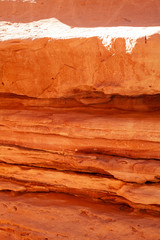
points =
(79, 116)
(53, 68)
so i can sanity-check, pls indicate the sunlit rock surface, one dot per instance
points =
(80, 116)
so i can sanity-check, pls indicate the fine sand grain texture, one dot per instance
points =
(79, 119)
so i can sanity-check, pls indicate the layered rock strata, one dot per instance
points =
(79, 115)
(86, 150)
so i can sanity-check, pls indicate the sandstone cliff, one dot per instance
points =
(79, 116)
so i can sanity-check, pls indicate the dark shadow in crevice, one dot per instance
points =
(84, 100)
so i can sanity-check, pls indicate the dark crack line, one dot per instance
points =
(83, 152)
(28, 166)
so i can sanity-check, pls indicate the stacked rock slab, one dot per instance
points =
(79, 116)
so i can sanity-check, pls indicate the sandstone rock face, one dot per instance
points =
(79, 115)
(63, 68)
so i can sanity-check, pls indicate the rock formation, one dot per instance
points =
(79, 119)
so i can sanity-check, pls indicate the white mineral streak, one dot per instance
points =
(53, 28)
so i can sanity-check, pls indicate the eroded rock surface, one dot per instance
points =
(79, 115)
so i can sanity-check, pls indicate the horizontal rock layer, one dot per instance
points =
(89, 13)
(51, 216)
(48, 68)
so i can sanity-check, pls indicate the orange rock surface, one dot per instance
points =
(79, 116)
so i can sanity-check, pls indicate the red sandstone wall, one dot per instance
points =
(79, 116)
